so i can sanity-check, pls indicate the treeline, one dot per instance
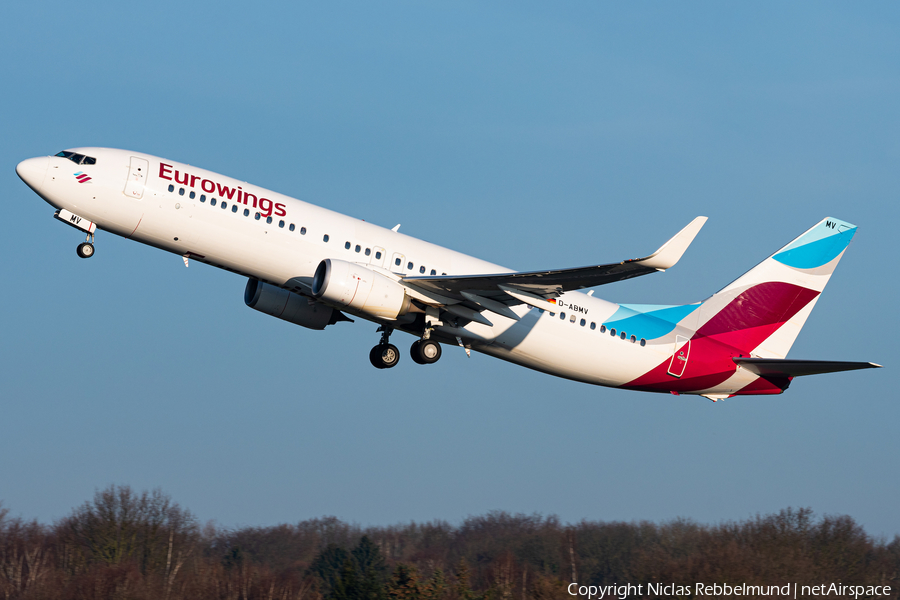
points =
(129, 545)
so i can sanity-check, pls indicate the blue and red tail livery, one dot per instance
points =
(759, 315)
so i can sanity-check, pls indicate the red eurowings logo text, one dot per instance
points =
(235, 194)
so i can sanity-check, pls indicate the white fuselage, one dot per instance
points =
(288, 245)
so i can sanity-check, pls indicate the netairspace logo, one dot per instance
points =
(717, 590)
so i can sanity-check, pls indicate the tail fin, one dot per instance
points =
(762, 312)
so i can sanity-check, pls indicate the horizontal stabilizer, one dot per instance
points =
(788, 367)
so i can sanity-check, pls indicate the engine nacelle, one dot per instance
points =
(354, 286)
(288, 306)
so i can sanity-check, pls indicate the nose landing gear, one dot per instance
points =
(385, 355)
(86, 249)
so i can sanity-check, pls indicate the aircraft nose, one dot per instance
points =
(32, 171)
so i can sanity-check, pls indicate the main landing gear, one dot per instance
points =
(385, 355)
(86, 249)
(425, 352)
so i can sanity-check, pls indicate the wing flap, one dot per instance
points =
(788, 367)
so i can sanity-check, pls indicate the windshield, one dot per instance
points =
(78, 159)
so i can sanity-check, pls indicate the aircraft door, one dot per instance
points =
(680, 356)
(397, 262)
(377, 258)
(137, 178)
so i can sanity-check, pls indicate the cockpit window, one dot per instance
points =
(78, 159)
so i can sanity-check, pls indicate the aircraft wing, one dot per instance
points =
(788, 367)
(536, 287)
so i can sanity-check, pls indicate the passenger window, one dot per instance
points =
(378, 255)
(281, 223)
(633, 339)
(193, 194)
(171, 188)
(409, 266)
(224, 205)
(257, 216)
(397, 261)
(234, 208)
(443, 274)
(603, 329)
(583, 322)
(433, 272)
(303, 231)
(422, 269)
(269, 220)
(643, 342)
(562, 316)
(358, 248)
(181, 191)
(212, 201)
(593, 325)
(325, 238)
(291, 227)
(246, 212)
(572, 319)
(347, 245)
(202, 197)
(368, 251)
(623, 335)
(612, 332)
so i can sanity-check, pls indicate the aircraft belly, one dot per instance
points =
(739, 380)
(568, 351)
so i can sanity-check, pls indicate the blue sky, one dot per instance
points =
(528, 135)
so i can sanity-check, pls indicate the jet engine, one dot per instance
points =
(354, 286)
(288, 306)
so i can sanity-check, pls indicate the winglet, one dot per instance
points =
(671, 251)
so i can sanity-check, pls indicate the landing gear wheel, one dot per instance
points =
(425, 352)
(384, 356)
(375, 357)
(414, 353)
(85, 250)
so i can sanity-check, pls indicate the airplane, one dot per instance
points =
(313, 267)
